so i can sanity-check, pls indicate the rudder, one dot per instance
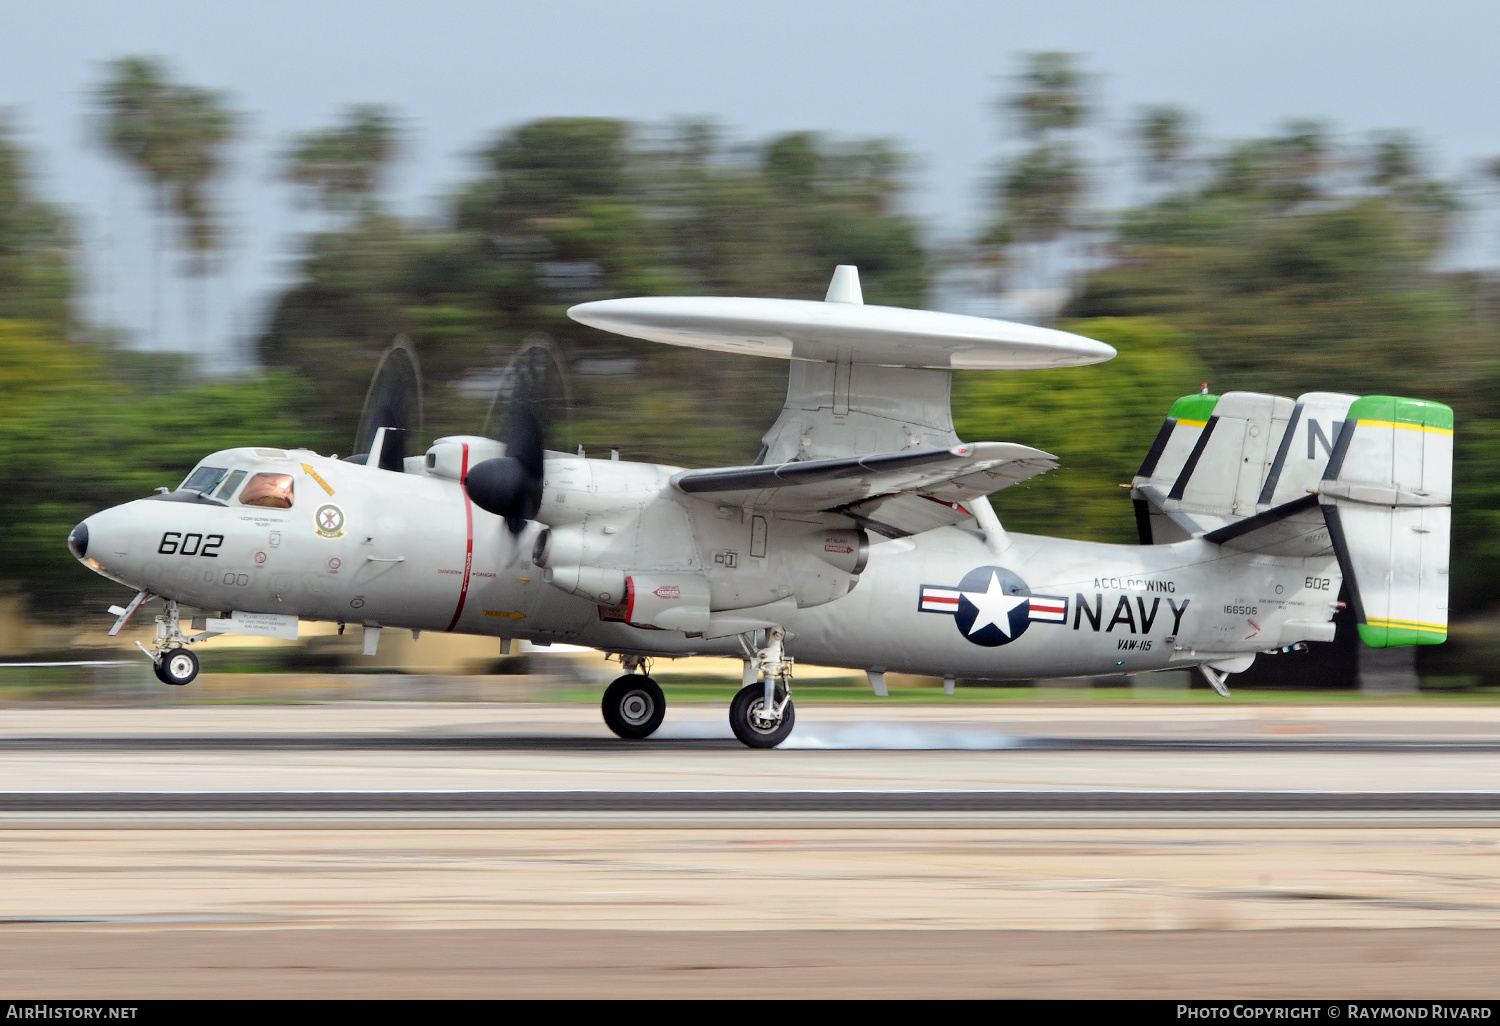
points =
(1386, 495)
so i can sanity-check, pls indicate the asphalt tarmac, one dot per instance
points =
(387, 850)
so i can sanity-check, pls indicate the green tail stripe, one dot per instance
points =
(1193, 407)
(1402, 411)
(1396, 637)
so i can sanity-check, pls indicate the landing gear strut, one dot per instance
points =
(169, 656)
(633, 705)
(762, 714)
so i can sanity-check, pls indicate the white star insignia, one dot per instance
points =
(994, 606)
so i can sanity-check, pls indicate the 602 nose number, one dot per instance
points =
(175, 543)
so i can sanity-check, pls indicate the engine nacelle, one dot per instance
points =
(673, 602)
(598, 584)
(447, 458)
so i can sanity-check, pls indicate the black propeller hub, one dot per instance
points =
(510, 486)
(505, 487)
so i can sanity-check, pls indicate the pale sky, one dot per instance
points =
(924, 73)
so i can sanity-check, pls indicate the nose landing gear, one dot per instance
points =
(170, 659)
(177, 666)
(634, 705)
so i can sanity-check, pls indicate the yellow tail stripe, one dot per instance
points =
(1193, 423)
(1403, 426)
(1414, 625)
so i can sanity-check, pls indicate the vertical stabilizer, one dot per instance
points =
(1386, 496)
(845, 286)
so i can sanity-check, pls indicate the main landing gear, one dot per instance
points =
(762, 714)
(634, 705)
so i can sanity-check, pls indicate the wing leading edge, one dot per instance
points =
(893, 493)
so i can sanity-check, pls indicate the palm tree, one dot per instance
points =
(343, 166)
(134, 100)
(1161, 132)
(174, 136)
(1040, 192)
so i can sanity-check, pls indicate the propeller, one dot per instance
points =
(393, 402)
(532, 400)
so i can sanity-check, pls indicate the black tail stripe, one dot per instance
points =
(1340, 450)
(1192, 461)
(1255, 523)
(1153, 454)
(1341, 550)
(1280, 461)
(1143, 520)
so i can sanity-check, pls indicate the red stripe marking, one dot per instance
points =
(463, 592)
(940, 598)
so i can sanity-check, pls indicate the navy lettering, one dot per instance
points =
(1147, 619)
(1123, 607)
(1177, 613)
(1081, 607)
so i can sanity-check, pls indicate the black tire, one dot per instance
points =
(749, 701)
(178, 666)
(634, 706)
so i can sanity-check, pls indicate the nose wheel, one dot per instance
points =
(634, 706)
(177, 666)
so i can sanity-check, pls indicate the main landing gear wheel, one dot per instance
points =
(634, 706)
(177, 666)
(751, 724)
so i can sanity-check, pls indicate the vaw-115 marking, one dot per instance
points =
(862, 536)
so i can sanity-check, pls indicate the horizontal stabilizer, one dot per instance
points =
(1220, 461)
(931, 484)
(1296, 523)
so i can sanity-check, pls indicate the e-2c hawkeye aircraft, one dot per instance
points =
(861, 537)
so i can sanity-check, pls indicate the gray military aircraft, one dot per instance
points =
(862, 537)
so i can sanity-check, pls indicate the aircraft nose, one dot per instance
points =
(78, 540)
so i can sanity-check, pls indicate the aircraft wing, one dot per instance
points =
(894, 493)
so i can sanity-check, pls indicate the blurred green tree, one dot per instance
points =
(1099, 421)
(36, 245)
(77, 435)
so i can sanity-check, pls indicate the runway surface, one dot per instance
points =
(387, 850)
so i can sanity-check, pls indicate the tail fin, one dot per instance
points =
(1386, 495)
(1218, 460)
(1369, 478)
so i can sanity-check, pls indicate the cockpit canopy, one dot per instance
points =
(221, 483)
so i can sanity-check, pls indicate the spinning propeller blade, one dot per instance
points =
(533, 401)
(393, 402)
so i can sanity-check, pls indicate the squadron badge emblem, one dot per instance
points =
(992, 606)
(329, 520)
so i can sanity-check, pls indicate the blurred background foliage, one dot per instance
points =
(1291, 263)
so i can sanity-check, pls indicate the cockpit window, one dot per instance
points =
(274, 490)
(228, 487)
(204, 479)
